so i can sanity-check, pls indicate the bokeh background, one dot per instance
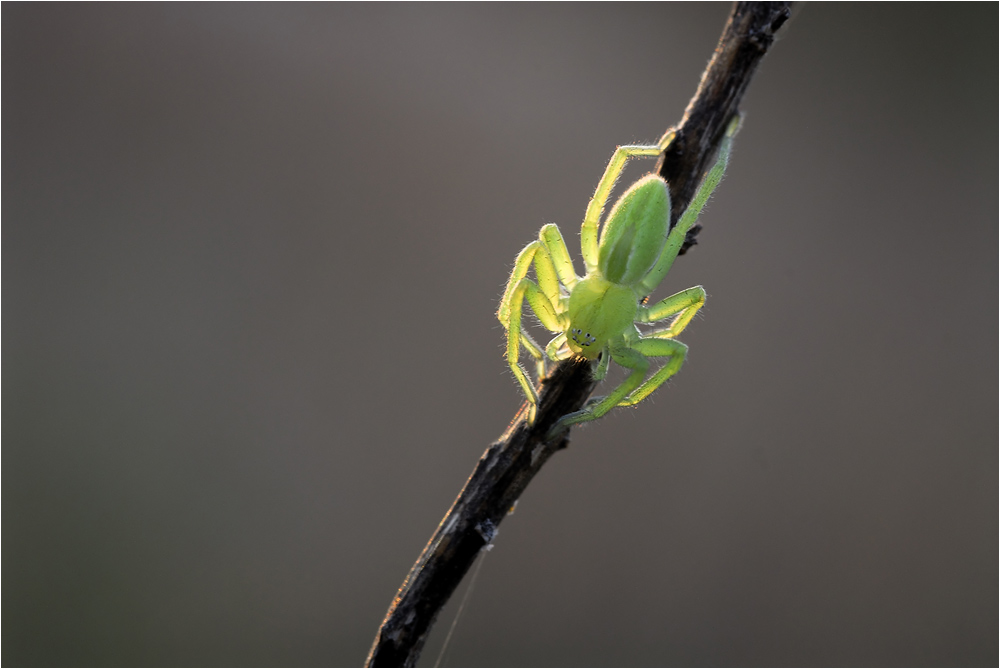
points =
(251, 258)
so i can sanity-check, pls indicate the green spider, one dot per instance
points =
(595, 316)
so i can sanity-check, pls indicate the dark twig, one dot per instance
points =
(507, 466)
(747, 36)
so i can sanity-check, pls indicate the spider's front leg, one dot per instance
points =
(544, 299)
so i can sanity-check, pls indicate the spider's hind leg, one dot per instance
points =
(656, 348)
(629, 357)
(675, 240)
(591, 220)
(635, 356)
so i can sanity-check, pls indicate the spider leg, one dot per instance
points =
(553, 241)
(683, 306)
(556, 348)
(656, 348)
(690, 216)
(544, 271)
(602, 365)
(532, 347)
(628, 357)
(588, 232)
(539, 303)
(540, 299)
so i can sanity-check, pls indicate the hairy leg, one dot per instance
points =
(629, 358)
(683, 305)
(544, 271)
(690, 216)
(527, 289)
(591, 220)
(535, 351)
(520, 288)
(656, 348)
(559, 254)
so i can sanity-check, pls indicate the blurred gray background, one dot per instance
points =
(251, 259)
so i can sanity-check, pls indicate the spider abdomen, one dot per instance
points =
(635, 232)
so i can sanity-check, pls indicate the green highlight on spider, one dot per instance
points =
(595, 316)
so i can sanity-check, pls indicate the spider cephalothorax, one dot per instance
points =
(595, 316)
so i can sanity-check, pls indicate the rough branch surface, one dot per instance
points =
(507, 466)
